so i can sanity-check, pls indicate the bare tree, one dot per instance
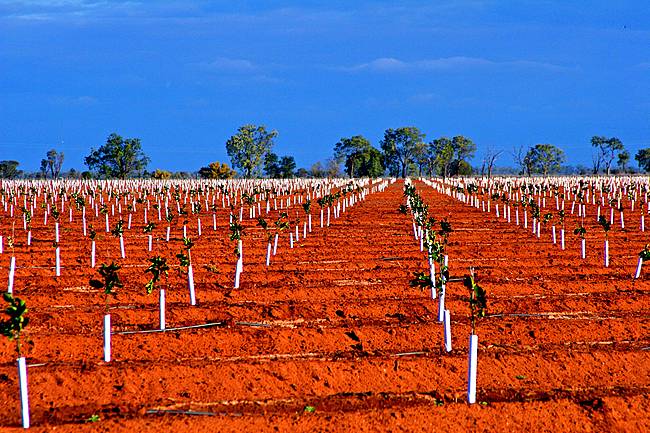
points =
(52, 164)
(520, 155)
(595, 161)
(607, 148)
(491, 156)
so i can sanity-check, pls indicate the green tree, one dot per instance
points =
(350, 151)
(52, 163)
(606, 148)
(421, 157)
(545, 158)
(623, 159)
(276, 167)
(247, 148)
(9, 169)
(399, 147)
(360, 157)
(449, 156)
(161, 174)
(441, 151)
(464, 148)
(287, 167)
(461, 167)
(118, 158)
(642, 157)
(272, 165)
(217, 170)
(370, 164)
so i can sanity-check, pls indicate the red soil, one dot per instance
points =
(334, 325)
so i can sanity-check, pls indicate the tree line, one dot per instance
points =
(401, 152)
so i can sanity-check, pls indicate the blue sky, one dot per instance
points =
(183, 75)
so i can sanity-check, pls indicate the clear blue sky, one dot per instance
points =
(183, 75)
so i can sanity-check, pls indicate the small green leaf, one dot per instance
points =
(421, 280)
(96, 284)
(183, 259)
(14, 325)
(645, 253)
(520, 376)
(93, 418)
(310, 409)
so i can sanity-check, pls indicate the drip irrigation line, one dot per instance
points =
(189, 412)
(180, 328)
(409, 354)
(254, 324)
(356, 356)
(565, 315)
(213, 324)
(330, 403)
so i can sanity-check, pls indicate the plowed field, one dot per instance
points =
(331, 337)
